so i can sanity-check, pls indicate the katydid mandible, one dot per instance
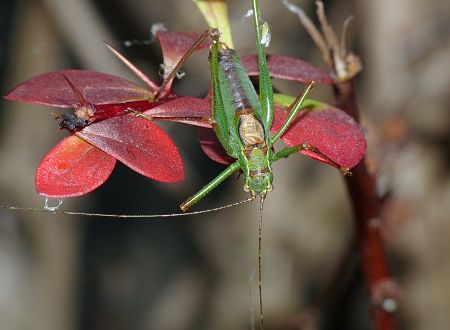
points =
(242, 120)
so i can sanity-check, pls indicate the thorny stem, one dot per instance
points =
(345, 96)
(362, 185)
(366, 208)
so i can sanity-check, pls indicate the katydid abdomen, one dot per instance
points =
(247, 137)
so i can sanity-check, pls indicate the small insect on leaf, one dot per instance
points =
(73, 168)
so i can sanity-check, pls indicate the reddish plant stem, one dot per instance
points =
(366, 207)
(345, 95)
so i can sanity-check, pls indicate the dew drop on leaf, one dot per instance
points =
(162, 70)
(248, 14)
(390, 305)
(265, 34)
(157, 27)
(49, 208)
(180, 74)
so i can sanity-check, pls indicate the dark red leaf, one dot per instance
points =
(288, 68)
(139, 144)
(212, 147)
(73, 168)
(188, 110)
(336, 134)
(174, 45)
(97, 88)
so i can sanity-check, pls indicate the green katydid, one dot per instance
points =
(242, 123)
(242, 120)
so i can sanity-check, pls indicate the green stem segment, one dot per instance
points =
(210, 186)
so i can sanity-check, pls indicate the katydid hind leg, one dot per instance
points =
(265, 83)
(218, 106)
(285, 152)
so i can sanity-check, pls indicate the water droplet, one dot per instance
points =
(265, 34)
(390, 305)
(157, 27)
(248, 14)
(49, 208)
(180, 74)
(162, 70)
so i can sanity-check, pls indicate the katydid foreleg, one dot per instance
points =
(210, 186)
(293, 111)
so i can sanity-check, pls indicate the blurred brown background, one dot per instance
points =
(60, 272)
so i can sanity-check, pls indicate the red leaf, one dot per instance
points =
(212, 147)
(139, 144)
(97, 88)
(336, 134)
(287, 68)
(188, 110)
(175, 44)
(73, 168)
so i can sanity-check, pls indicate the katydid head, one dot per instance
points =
(259, 184)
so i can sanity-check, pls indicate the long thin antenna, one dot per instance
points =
(261, 205)
(126, 216)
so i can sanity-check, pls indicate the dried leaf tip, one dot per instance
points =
(342, 64)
